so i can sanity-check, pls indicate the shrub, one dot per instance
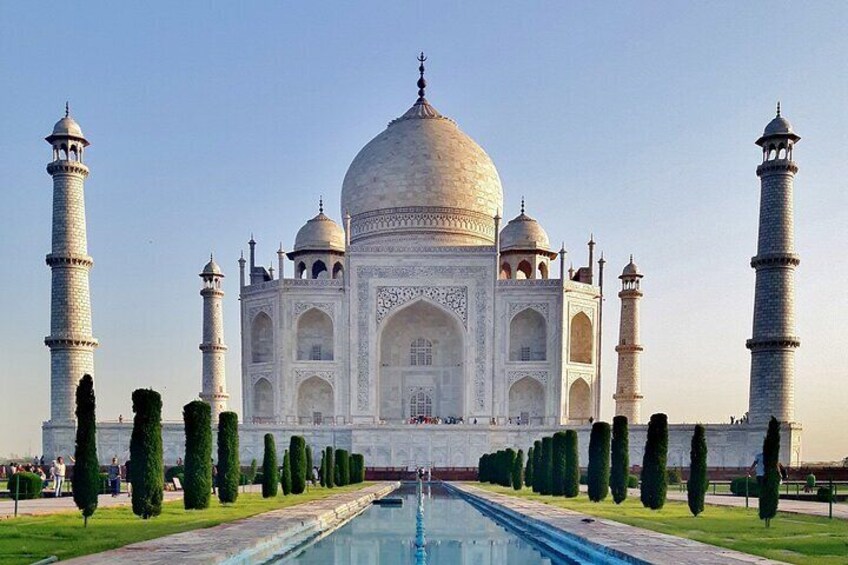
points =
(329, 468)
(270, 473)
(825, 495)
(654, 481)
(537, 466)
(571, 487)
(599, 461)
(86, 465)
(737, 486)
(528, 470)
(584, 478)
(811, 481)
(674, 476)
(558, 464)
(229, 469)
(322, 470)
(518, 470)
(343, 466)
(27, 485)
(620, 460)
(251, 472)
(358, 462)
(632, 481)
(285, 474)
(770, 493)
(148, 475)
(507, 465)
(696, 486)
(258, 479)
(175, 471)
(297, 457)
(197, 485)
(547, 462)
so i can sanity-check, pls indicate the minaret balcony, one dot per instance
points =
(775, 260)
(773, 343)
(779, 166)
(67, 167)
(69, 260)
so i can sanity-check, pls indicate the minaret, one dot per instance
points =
(628, 399)
(213, 348)
(70, 341)
(774, 341)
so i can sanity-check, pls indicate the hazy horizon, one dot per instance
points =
(635, 122)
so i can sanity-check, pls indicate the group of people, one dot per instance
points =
(56, 473)
(734, 421)
(435, 420)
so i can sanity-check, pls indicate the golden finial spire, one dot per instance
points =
(422, 84)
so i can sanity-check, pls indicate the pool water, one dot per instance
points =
(455, 532)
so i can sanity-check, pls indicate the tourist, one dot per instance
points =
(315, 476)
(214, 477)
(41, 461)
(58, 472)
(179, 461)
(115, 477)
(44, 481)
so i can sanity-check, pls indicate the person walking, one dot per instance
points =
(58, 476)
(115, 477)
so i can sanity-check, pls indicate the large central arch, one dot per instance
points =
(421, 349)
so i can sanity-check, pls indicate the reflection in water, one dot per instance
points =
(457, 533)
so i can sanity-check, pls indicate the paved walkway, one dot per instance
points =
(251, 540)
(840, 510)
(642, 545)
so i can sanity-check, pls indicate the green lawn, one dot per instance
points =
(810, 540)
(28, 539)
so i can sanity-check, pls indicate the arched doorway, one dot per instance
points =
(315, 401)
(262, 339)
(579, 402)
(421, 349)
(528, 336)
(263, 401)
(527, 401)
(314, 336)
(582, 339)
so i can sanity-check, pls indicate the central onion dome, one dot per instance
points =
(422, 181)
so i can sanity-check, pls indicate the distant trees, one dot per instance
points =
(599, 461)
(620, 464)
(696, 486)
(197, 417)
(297, 456)
(86, 466)
(654, 471)
(770, 489)
(229, 468)
(148, 474)
(571, 480)
(518, 470)
(270, 471)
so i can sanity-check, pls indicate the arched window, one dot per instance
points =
(301, 269)
(319, 270)
(73, 153)
(579, 402)
(524, 270)
(262, 339)
(420, 404)
(315, 401)
(263, 400)
(63, 152)
(527, 401)
(506, 271)
(338, 270)
(314, 336)
(543, 270)
(421, 352)
(528, 336)
(582, 339)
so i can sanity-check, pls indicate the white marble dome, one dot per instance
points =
(422, 180)
(320, 233)
(524, 233)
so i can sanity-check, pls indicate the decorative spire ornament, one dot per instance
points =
(422, 84)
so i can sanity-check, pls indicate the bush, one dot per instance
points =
(259, 478)
(620, 461)
(297, 458)
(674, 477)
(148, 474)
(547, 462)
(770, 493)
(632, 481)
(270, 473)
(329, 468)
(528, 469)
(537, 466)
(518, 470)
(343, 466)
(197, 485)
(358, 463)
(27, 485)
(251, 472)
(599, 461)
(654, 481)
(86, 466)
(696, 487)
(285, 474)
(558, 464)
(825, 495)
(229, 468)
(584, 478)
(572, 465)
(507, 464)
(811, 481)
(737, 486)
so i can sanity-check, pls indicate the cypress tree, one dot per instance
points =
(358, 460)
(537, 466)
(343, 466)
(494, 462)
(270, 471)
(197, 416)
(558, 464)
(507, 466)
(322, 470)
(309, 463)
(480, 471)
(770, 489)
(571, 481)
(599, 461)
(654, 472)
(620, 467)
(148, 473)
(518, 470)
(286, 475)
(528, 470)
(329, 468)
(229, 468)
(696, 486)
(547, 462)
(297, 459)
(86, 465)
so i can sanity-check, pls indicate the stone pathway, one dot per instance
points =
(251, 540)
(644, 546)
(840, 510)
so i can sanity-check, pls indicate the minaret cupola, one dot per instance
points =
(525, 249)
(319, 248)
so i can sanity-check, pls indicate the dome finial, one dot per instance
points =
(522, 204)
(67, 109)
(321, 204)
(422, 84)
(778, 108)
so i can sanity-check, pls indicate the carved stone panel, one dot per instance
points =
(454, 298)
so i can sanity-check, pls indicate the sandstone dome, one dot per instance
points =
(320, 233)
(422, 181)
(524, 233)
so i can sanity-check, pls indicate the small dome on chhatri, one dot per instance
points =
(320, 233)
(212, 268)
(779, 126)
(524, 232)
(631, 269)
(67, 126)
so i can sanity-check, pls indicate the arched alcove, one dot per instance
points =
(301, 270)
(524, 270)
(262, 339)
(506, 271)
(543, 270)
(527, 401)
(263, 400)
(338, 270)
(581, 339)
(579, 402)
(315, 402)
(314, 336)
(319, 270)
(528, 336)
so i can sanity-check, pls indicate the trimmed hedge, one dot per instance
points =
(632, 481)
(537, 466)
(558, 464)
(270, 473)
(696, 486)
(518, 470)
(674, 476)
(297, 458)
(28, 486)
(824, 494)
(329, 468)
(229, 469)
(770, 493)
(197, 486)
(148, 474)
(357, 461)
(528, 470)
(343, 467)
(654, 479)
(286, 474)
(547, 463)
(571, 482)
(737, 486)
(620, 460)
(599, 461)
(86, 465)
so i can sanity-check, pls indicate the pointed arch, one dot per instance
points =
(314, 336)
(315, 401)
(528, 336)
(524, 270)
(527, 401)
(263, 400)
(262, 339)
(301, 270)
(319, 270)
(506, 271)
(581, 340)
(338, 270)
(543, 270)
(579, 402)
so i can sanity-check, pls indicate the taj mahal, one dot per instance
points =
(422, 328)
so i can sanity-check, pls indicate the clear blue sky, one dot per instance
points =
(632, 120)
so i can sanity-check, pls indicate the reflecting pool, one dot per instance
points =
(454, 530)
